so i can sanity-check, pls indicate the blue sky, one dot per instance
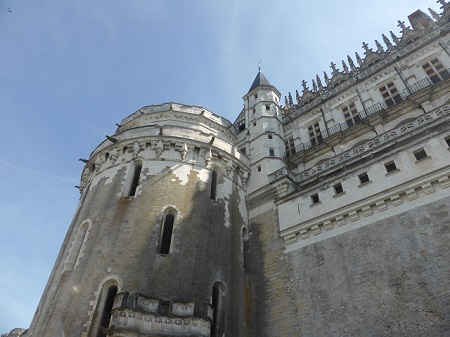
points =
(71, 69)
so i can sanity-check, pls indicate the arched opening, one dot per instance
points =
(217, 300)
(106, 304)
(77, 247)
(166, 232)
(213, 185)
(135, 179)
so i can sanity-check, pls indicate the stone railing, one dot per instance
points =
(374, 109)
(140, 314)
(368, 146)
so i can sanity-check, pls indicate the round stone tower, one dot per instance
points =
(155, 246)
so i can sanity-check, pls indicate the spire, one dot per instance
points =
(379, 47)
(435, 15)
(351, 63)
(395, 38)
(260, 80)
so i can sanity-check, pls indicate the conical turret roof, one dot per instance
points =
(260, 79)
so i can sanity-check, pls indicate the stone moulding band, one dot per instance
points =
(315, 228)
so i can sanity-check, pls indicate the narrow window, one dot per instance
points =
(269, 136)
(124, 150)
(253, 111)
(218, 310)
(420, 154)
(338, 188)
(254, 123)
(243, 150)
(106, 156)
(259, 168)
(351, 115)
(267, 106)
(435, 70)
(363, 178)
(77, 247)
(390, 167)
(241, 125)
(390, 94)
(271, 152)
(135, 180)
(315, 136)
(213, 185)
(107, 310)
(315, 198)
(166, 236)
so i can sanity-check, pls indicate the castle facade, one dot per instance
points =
(324, 213)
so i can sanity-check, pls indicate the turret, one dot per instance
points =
(262, 138)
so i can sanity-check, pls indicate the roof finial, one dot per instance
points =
(319, 83)
(305, 88)
(366, 47)
(327, 80)
(259, 66)
(297, 97)
(358, 59)
(344, 66)
(435, 15)
(351, 63)
(379, 46)
(314, 86)
(387, 43)
(395, 38)
(401, 24)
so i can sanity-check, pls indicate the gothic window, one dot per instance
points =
(77, 247)
(213, 185)
(390, 94)
(315, 136)
(351, 115)
(166, 231)
(107, 302)
(289, 147)
(218, 310)
(435, 70)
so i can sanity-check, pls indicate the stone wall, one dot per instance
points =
(389, 278)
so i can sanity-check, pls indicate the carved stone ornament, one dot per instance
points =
(136, 149)
(159, 148)
(184, 151)
(208, 156)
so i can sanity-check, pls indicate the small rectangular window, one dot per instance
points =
(338, 188)
(447, 140)
(243, 150)
(363, 178)
(271, 152)
(315, 199)
(267, 106)
(390, 167)
(269, 135)
(420, 154)
(259, 168)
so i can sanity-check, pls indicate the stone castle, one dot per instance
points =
(323, 214)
